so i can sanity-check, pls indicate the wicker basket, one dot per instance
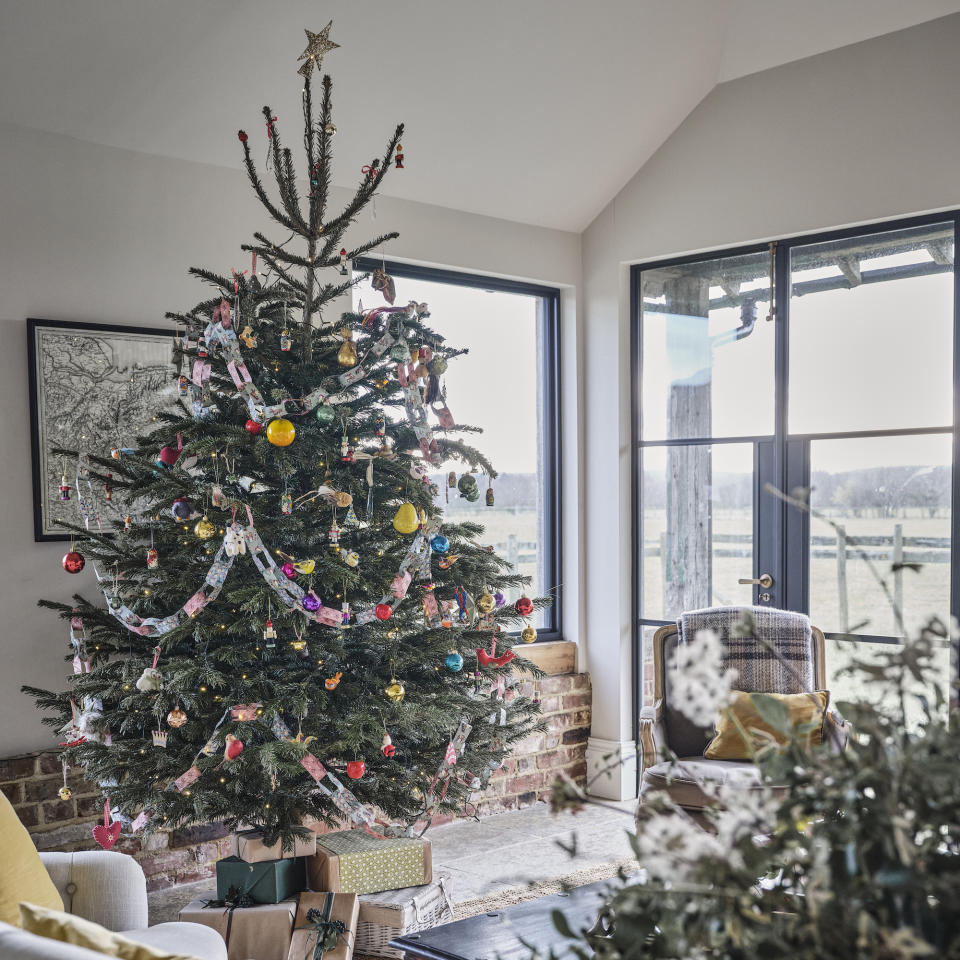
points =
(395, 913)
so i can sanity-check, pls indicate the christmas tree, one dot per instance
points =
(291, 628)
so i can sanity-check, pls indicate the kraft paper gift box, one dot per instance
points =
(261, 931)
(352, 861)
(333, 906)
(250, 847)
(267, 882)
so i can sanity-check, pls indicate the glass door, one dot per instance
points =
(800, 455)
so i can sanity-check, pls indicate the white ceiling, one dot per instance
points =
(531, 110)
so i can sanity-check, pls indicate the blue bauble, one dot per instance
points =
(439, 543)
(454, 661)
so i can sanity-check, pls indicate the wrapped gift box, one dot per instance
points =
(262, 931)
(352, 861)
(335, 906)
(250, 847)
(394, 913)
(267, 882)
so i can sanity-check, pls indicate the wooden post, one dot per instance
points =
(688, 575)
(898, 580)
(842, 598)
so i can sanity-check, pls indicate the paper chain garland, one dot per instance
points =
(238, 540)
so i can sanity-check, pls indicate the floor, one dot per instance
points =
(494, 854)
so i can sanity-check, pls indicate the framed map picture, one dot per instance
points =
(92, 387)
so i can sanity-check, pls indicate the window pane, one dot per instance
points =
(890, 498)
(871, 332)
(697, 527)
(502, 332)
(707, 350)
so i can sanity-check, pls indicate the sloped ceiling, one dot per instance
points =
(530, 110)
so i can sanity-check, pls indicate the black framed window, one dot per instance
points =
(508, 385)
(842, 387)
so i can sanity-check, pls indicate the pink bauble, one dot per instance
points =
(288, 571)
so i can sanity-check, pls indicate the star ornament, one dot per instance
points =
(318, 44)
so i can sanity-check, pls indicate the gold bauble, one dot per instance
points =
(64, 793)
(347, 354)
(395, 691)
(281, 432)
(486, 602)
(204, 529)
(528, 634)
(176, 717)
(342, 499)
(406, 520)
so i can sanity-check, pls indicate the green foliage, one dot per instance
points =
(220, 657)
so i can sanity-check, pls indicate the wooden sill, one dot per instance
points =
(554, 658)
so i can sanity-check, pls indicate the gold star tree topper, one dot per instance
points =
(318, 44)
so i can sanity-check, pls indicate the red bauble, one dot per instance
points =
(234, 747)
(356, 769)
(242, 136)
(524, 606)
(73, 562)
(253, 427)
(383, 611)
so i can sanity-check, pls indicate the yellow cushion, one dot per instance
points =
(66, 928)
(742, 715)
(22, 874)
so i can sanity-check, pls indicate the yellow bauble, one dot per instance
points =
(406, 520)
(280, 432)
(486, 602)
(528, 634)
(395, 691)
(204, 529)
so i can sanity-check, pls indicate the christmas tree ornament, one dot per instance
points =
(486, 602)
(159, 738)
(467, 485)
(305, 566)
(176, 718)
(383, 611)
(107, 833)
(285, 342)
(242, 136)
(448, 561)
(234, 543)
(398, 157)
(286, 504)
(252, 427)
(405, 520)
(489, 496)
(347, 354)
(331, 683)
(170, 454)
(325, 413)
(73, 561)
(452, 478)
(524, 606)
(499, 598)
(298, 644)
(380, 280)
(399, 352)
(64, 487)
(318, 45)
(387, 748)
(437, 366)
(108, 488)
(439, 543)
(350, 557)
(247, 337)
(281, 432)
(356, 769)
(310, 602)
(64, 793)
(395, 691)
(182, 509)
(528, 634)
(269, 634)
(204, 529)
(183, 386)
(454, 661)
(289, 571)
(151, 679)
(329, 128)
(233, 747)
(127, 523)
(343, 262)
(333, 534)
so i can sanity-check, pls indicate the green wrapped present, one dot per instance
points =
(352, 861)
(269, 881)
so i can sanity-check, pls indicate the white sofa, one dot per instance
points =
(110, 889)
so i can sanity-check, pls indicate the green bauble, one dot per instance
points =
(325, 413)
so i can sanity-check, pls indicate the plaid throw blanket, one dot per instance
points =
(760, 670)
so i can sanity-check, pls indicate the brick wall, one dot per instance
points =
(170, 857)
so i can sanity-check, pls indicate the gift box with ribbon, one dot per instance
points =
(250, 847)
(325, 928)
(269, 881)
(352, 861)
(249, 930)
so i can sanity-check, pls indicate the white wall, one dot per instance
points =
(862, 133)
(95, 233)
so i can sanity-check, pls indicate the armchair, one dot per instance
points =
(110, 889)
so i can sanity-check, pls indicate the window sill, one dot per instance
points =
(552, 656)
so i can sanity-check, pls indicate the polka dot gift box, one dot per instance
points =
(352, 861)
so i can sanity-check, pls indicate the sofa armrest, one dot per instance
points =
(103, 886)
(650, 734)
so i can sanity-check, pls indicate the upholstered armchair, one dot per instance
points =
(663, 725)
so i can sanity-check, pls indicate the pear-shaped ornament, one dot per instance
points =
(406, 519)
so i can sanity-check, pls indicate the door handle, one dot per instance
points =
(764, 580)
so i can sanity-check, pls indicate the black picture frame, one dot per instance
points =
(43, 528)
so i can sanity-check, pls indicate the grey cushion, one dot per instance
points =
(682, 780)
(684, 737)
(192, 939)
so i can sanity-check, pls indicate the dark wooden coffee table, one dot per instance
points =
(498, 935)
